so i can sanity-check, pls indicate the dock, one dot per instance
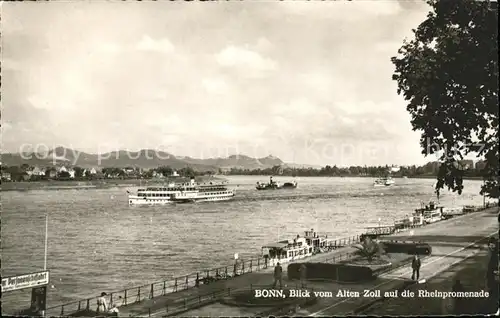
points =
(194, 294)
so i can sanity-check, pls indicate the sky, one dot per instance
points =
(308, 82)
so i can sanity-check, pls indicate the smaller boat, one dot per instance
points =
(384, 182)
(272, 185)
(289, 250)
(429, 213)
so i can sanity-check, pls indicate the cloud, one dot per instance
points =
(342, 10)
(232, 56)
(215, 85)
(296, 73)
(162, 46)
(108, 47)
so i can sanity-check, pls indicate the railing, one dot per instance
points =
(137, 294)
(188, 303)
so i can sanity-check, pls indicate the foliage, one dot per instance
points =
(369, 249)
(429, 169)
(449, 76)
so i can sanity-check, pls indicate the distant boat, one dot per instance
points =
(272, 185)
(384, 182)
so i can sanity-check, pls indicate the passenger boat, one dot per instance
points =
(182, 193)
(272, 185)
(289, 250)
(430, 213)
(384, 182)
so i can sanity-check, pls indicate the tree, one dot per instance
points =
(449, 76)
(369, 249)
(78, 172)
(63, 175)
(165, 171)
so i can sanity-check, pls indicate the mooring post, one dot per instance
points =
(175, 285)
(243, 267)
(251, 266)
(152, 295)
(139, 293)
(164, 287)
(258, 263)
(225, 272)
(88, 304)
(187, 284)
(125, 297)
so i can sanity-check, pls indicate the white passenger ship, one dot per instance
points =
(182, 193)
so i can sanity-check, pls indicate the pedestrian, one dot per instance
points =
(277, 275)
(303, 275)
(492, 271)
(113, 312)
(458, 300)
(415, 265)
(102, 306)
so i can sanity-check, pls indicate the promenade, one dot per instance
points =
(471, 273)
(452, 240)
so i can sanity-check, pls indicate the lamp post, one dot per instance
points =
(484, 196)
(45, 259)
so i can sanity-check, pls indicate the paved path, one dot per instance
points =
(159, 304)
(471, 228)
(456, 235)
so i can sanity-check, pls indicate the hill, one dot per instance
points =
(145, 159)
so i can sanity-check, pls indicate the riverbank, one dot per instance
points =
(471, 273)
(91, 184)
(446, 237)
(353, 176)
(109, 183)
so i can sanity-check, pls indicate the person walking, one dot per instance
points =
(278, 271)
(492, 271)
(303, 275)
(415, 265)
(102, 306)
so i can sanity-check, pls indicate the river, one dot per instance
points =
(98, 243)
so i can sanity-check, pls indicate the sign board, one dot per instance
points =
(37, 279)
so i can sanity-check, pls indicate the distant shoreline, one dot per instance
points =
(111, 183)
(93, 184)
(372, 177)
